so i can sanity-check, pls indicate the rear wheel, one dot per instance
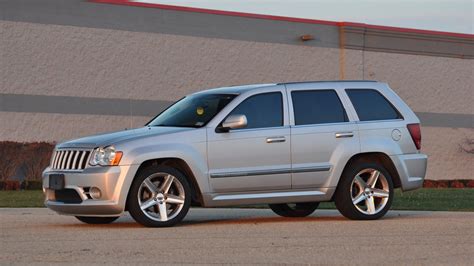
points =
(302, 209)
(365, 192)
(96, 220)
(160, 196)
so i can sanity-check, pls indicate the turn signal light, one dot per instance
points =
(118, 157)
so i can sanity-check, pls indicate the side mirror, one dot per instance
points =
(233, 122)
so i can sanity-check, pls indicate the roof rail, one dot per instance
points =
(323, 81)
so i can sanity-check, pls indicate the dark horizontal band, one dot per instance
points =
(124, 107)
(80, 105)
(271, 172)
(446, 120)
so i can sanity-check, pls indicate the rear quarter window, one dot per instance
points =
(371, 105)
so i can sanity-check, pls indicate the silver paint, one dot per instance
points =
(248, 166)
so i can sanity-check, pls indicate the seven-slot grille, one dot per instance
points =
(70, 159)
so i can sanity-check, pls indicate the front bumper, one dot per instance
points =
(113, 182)
(411, 169)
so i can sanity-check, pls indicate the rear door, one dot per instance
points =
(322, 133)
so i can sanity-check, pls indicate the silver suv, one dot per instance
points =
(289, 145)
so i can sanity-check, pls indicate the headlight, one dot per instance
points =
(105, 156)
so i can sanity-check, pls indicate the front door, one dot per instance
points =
(257, 157)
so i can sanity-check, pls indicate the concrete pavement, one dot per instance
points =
(239, 236)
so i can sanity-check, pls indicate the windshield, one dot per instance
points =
(192, 111)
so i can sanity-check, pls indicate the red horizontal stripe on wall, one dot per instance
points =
(282, 18)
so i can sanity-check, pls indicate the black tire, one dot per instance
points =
(96, 220)
(343, 196)
(133, 201)
(301, 209)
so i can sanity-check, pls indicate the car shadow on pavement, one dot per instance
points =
(261, 220)
(127, 222)
(278, 219)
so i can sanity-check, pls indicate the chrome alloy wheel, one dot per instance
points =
(161, 197)
(370, 191)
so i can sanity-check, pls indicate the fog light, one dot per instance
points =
(95, 193)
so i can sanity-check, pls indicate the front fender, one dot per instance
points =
(194, 155)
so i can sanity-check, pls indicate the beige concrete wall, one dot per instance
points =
(446, 158)
(426, 83)
(85, 62)
(75, 61)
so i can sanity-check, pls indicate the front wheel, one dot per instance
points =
(365, 192)
(96, 220)
(302, 209)
(160, 196)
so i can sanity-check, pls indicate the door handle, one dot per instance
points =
(344, 134)
(276, 139)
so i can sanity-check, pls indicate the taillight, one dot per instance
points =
(415, 132)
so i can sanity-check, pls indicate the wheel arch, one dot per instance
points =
(380, 158)
(180, 165)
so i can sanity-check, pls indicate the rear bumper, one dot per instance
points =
(113, 183)
(411, 169)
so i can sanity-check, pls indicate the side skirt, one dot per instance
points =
(267, 197)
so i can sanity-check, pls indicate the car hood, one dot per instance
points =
(106, 139)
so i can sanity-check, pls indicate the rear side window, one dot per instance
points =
(317, 107)
(262, 110)
(371, 105)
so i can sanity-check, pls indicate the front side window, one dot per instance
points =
(193, 110)
(317, 107)
(262, 110)
(371, 105)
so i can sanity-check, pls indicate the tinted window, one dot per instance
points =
(317, 107)
(192, 111)
(371, 105)
(262, 110)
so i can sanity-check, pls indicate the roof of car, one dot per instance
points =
(243, 88)
(235, 89)
(324, 81)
